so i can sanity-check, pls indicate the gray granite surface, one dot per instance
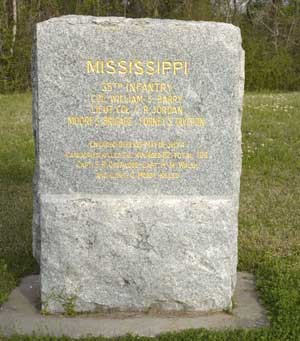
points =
(138, 160)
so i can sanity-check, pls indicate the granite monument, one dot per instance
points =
(137, 126)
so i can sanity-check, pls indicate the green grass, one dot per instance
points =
(269, 231)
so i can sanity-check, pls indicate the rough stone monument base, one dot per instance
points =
(137, 253)
(21, 315)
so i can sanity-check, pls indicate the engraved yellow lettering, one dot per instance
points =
(138, 67)
(110, 65)
(92, 67)
(177, 66)
(150, 68)
(166, 66)
(123, 67)
(186, 68)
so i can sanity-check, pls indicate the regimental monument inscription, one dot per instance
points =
(153, 108)
(137, 130)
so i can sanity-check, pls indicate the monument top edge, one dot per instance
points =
(114, 21)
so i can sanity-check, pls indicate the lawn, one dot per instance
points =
(269, 219)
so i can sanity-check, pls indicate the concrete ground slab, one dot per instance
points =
(20, 315)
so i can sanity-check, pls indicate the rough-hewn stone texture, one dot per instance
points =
(20, 315)
(137, 231)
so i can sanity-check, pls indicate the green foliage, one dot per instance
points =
(265, 70)
(68, 303)
(16, 168)
(270, 30)
(271, 37)
(7, 281)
